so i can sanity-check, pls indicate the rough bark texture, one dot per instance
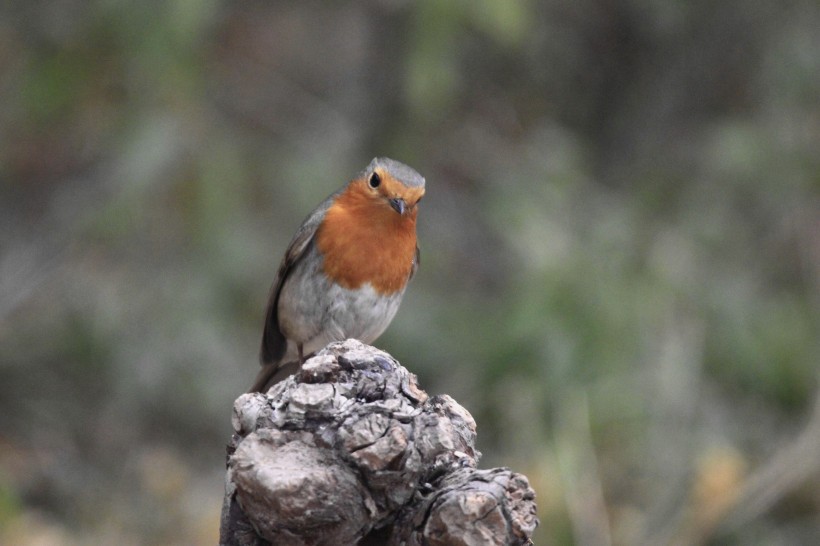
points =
(350, 450)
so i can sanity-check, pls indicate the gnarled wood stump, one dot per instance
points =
(350, 450)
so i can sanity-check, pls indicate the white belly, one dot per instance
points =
(314, 312)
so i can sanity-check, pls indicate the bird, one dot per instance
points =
(345, 270)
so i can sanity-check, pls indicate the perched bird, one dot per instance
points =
(346, 269)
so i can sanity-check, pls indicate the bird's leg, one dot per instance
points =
(301, 356)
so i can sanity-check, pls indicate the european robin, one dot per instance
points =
(345, 271)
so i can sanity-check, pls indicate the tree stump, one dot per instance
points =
(349, 450)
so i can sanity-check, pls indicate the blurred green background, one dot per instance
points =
(620, 242)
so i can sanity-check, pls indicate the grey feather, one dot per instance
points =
(406, 175)
(274, 343)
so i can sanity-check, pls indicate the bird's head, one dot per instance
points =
(389, 183)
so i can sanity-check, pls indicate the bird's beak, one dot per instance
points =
(398, 205)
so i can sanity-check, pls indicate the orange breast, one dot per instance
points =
(363, 240)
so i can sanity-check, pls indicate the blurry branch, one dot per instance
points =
(785, 472)
(36, 252)
(688, 523)
(351, 451)
(33, 254)
(677, 378)
(579, 468)
(741, 502)
(283, 107)
(795, 463)
(27, 264)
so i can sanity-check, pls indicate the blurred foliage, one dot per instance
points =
(621, 246)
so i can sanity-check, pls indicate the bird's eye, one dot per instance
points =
(374, 181)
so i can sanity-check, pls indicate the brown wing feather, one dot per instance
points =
(274, 343)
(416, 262)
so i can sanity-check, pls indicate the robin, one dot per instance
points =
(345, 271)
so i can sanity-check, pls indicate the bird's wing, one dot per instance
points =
(274, 343)
(416, 263)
